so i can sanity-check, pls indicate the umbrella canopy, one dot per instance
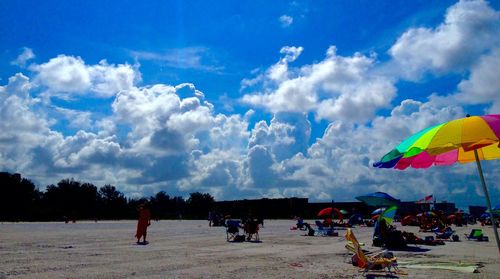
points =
(388, 214)
(463, 140)
(450, 217)
(375, 217)
(493, 210)
(378, 210)
(378, 199)
(447, 143)
(329, 211)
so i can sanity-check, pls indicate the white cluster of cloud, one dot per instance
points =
(66, 76)
(469, 31)
(26, 55)
(171, 138)
(337, 88)
(286, 20)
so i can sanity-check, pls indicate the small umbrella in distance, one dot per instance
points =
(329, 211)
(378, 199)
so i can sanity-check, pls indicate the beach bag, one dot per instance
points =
(455, 237)
(310, 232)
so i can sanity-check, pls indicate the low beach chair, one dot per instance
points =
(381, 261)
(446, 234)
(476, 234)
(232, 229)
(324, 231)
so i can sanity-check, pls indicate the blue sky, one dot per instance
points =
(243, 100)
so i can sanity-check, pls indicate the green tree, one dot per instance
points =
(19, 198)
(113, 204)
(72, 199)
(199, 204)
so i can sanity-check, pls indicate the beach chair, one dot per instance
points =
(251, 229)
(381, 261)
(446, 234)
(476, 234)
(324, 231)
(232, 229)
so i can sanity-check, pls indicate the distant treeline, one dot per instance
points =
(70, 200)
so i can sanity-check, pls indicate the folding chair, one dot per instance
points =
(380, 261)
(251, 229)
(232, 229)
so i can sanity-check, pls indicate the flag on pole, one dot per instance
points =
(427, 199)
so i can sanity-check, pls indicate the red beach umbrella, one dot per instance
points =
(329, 211)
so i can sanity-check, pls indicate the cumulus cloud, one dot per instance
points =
(470, 29)
(339, 164)
(77, 119)
(483, 85)
(24, 57)
(69, 76)
(287, 135)
(286, 20)
(342, 88)
(20, 123)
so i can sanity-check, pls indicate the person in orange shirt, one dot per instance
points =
(143, 223)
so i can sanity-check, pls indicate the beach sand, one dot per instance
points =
(192, 249)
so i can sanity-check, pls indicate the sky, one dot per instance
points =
(244, 99)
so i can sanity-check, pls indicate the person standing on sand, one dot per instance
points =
(143, 222)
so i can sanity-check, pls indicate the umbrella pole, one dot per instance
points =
(487, 196)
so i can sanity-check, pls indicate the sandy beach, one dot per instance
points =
(192, 249)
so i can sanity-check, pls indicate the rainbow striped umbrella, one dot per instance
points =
(463, 140)
(447, 143)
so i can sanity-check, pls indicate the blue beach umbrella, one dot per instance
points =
(378, 199)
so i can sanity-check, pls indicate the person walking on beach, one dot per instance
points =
(143, 223)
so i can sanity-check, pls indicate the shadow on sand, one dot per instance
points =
(411, 249)
(375, 275)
